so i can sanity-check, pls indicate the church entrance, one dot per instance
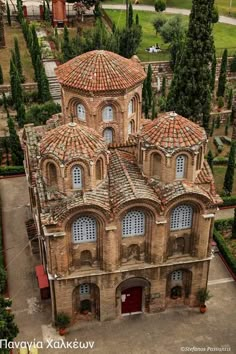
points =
(131, 300)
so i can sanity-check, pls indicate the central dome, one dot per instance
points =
(99, 71)
(71, 141)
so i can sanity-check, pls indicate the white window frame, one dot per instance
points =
(81, 113)
(84, 289)
(108, 135)
(130, 127)
(181, 217)
(180, 166)
(77, 177)
(133, 223)
(107, 114)
(130, 108)
(84, 229)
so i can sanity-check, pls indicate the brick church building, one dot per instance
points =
(124, 207)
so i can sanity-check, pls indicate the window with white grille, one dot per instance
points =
(180, 166)
(108, 135)
(107, 114)
(181, 217)
(130, 127)
(84, 230)
(177, 275)
(130, 107)
(81, 112)
(77, 177)
(133, 223)
(84, 289)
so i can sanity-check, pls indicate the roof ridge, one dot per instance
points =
(124, 169)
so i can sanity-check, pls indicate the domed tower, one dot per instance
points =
(103, 91)
(73, 158)
(172, 148)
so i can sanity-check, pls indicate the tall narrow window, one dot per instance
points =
(108, 135)
(180, 166)
(99, 170)
(52, 174)
(133, 223)
(77, 177)
(156, 165)
(130, 107)
(81, 112)
(131, 127)
(84, 230)
(107, 114)
(181, 217)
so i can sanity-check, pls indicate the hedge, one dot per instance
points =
(224, 250)
(226, 140)
(218, 143)
(11, 170)
(222, 224)
(229, 201)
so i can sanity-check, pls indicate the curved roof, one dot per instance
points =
(99, 71)
(171, 131)
(70, 141)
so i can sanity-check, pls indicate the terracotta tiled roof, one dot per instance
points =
(70, 141)
(126, 181)
(171, 131)
(205, 175)
(100, 70)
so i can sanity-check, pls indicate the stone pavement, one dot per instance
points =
(162, 333)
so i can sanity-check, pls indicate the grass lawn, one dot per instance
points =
(219, 175)
(5, 54)
(224, 35)
(223, 5)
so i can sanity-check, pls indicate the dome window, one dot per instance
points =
(130, 108)
(81, 112)
(133, 223)
(84, 230)
(108, 135)
(77, 177)
(180, 166)
(131, 127)
(107, 114)
(181, 218)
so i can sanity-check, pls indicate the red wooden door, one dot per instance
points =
(131, 300)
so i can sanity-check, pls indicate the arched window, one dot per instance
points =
(77, 177)
(180, 166)
(181, 217)
(130, 107)
(99, 174)
(133, 223)
(131, 127)
(156, 165)
(52, 174)
(84, 289)
(84, 230)
(107, 114)
(177, 275)
(108, 135)
(81, 112)
(199, 159)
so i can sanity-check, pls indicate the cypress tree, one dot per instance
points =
(66, 47)
(12, 80)
(14, 143)
(223, 75)
(229, 175)
(212, 127)
(153, 109)
(21, 115)
(1, 76)
(149, 86)
(210, 158)
(43, 86)
(213, 72)
(163, 87)
(234, 225)
(18, 59)
(8, 15)
(190, 92)
(137, 19)
(5, 104)
(130, 17)
(230, 99)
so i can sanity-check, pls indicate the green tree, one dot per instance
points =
(47, 17)
(3, 279)
(1, 76)
(137, 19)
(229, 175)
(160, 5)
(212, 127)
(18, 59)
(14, 143)
(190, 91)
(163, 87)
(149, 86)
(230, 99)
(8, 329)
(40, 113)
(218, 122)
(8, 14)
(234, 225)
(21, 115)
(130, 16)
(43, 86)
(233, 64)
(215, 14)
(16, 89)
(158, 22)
(66, 46)
(129, 39)
(5, 105)
(97, 11)
(213, 72)
(154, 113)
(210, 158)
(223, 75)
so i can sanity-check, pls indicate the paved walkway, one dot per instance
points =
(162, 333)
(169, 10)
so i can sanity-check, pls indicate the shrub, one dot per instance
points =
(160, 5)
(62, 320)
(11, 170)
(220, 102)
(218, 143)
(40, 113)
(224, 250)
(233, 64)
(229, 200)
(3, 280)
